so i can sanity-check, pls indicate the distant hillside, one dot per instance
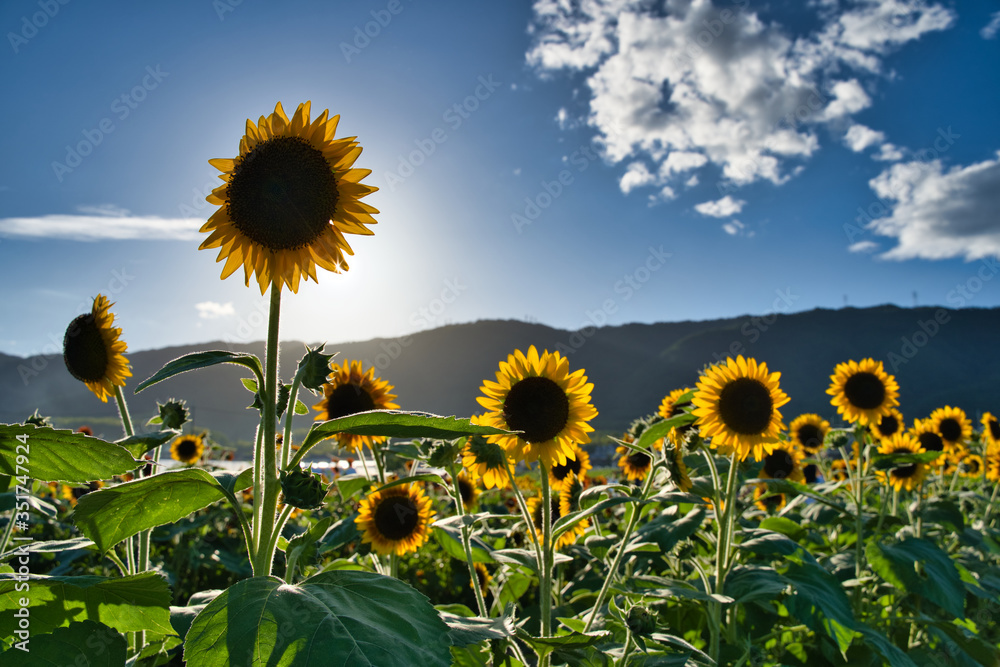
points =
(632, 366)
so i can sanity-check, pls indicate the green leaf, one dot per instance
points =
(667, 531)
(940, 582)
(333, 619)
(84, 643)
(783, 525)
(893, 655)
(284, 393)
(450, 540)
(820, 603)
(127, 604)
(61, 456)
(945, 513)
(301, 408)
(525, 557)
(398, 424)
(662, 429)
(566, 522)
(339, 534)
(182, 617)
(113, 514)
(746, 583)
(9, 500)
(196, 360)
(52, 546)
(351, 484)
(573, 640)
(234, 483)
(979, 650)
(775, 545)
(890, 461)
(464, 630)
(137, 445)
(250, 384)
(301, 549)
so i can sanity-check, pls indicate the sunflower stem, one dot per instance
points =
(286, 512)
(545, 568)
(258, 470)
(633, 519)
(859, 553)
(467, 543)
(629, 646)
(269, 474)
(123, 412)
(113, 557)
(723, 553)
(989, 507)
(286, 438)
(524, 511)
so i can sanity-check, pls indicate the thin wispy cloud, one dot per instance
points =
(101, 223)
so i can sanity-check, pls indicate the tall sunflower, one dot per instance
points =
(808, 432)
(569, 501)
(486, 461)
(396, 520)
(905, 476)
(578, 465)
(991, 429)
(287, 200)
(952, 425)
(783, 462)
(537, 395)
(862, 391)
(636, 465)
(351, 389)
(93, 352)
(929, 439)
(888, 424)
(737, 403)
(187, 448)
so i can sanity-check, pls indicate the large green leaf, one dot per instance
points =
(332, 619)
(398, 424)
(820, 603)
(746, 583)
(893, 655)
(137, 445)
(113, 514)
(190, 362)
(127, 604)
(465, 628)
(662, 429)
(60, 456)
(84, 643)
(940, 581)
(572, 640)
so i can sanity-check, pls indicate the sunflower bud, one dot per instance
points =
(443, 453)
(838, 437)
(173, 414)
(314, 368)
(37, 419)
(302, 489)
(641, 620)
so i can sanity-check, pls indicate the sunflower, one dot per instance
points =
(670, 407)
(187, 448)
(537, 395)
(92, 351)
(862, 391)
(737, 407)
(578, 465)
(636, 465)
(484, 578)
(467, 488)
(486, 461)
(783, 462)
(888, 424)
(775, 502)
(971, 466)
(808, 432)
(991, 429)
(569, 501)
(928, 438)
(535, 511)
(350, 389)
(905, 476)
(288, 199)
(838, 470)
(952, 425)
(678, 470)
(992, 463)
(396, 520)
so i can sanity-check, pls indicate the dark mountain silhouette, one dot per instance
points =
(940, 357)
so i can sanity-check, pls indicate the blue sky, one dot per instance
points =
(569, 164)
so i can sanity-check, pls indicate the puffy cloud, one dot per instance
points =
(723, 208)
(735, 228)
(212, 310)
(859, 137)
(936, 213)
(990, 30)
(635, 175)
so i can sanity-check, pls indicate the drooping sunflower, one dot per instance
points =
(635, 465)
(677, 469)
(783, 462)
(991, 429)
(486, 461)
(774, 502)
(92, 350)
(578, 465)
(952, 425)
(350, 389)
(467, 488)
(287, 200)
(737, 407)
(862, 391)
(808, 432)
(396, 520)
(888, 424)
(187, 448)
(536, 394)
(929, 439)
(906, 476)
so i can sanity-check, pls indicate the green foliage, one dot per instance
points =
(49, 455)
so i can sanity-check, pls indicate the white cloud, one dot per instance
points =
(863, 246)
(691, 182)
(104, 209)
(685, 83)
(990, 30)
(888, 153)
(635, 175)
(106, 223)
(723, 208)
(937, 214)
(860, 137)
(212, 310)
(562, 118)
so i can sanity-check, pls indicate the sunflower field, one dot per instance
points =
(725, 533)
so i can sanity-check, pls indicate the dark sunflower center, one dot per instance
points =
(994, 428)
(810, 436)
(745, 406)
(560, 470)
(638, 460)
(348, 399)
(906, 471)
(282, 194)
(972, 466)
(537, 515)
(812, 473)
(84, 352)
(187, 449)
(888, 425)
(537, 406)
(774, 502)
(396, 517)
(465, 490)
(864, 390)
(932, 442)
(950, 429)
(779, 464)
